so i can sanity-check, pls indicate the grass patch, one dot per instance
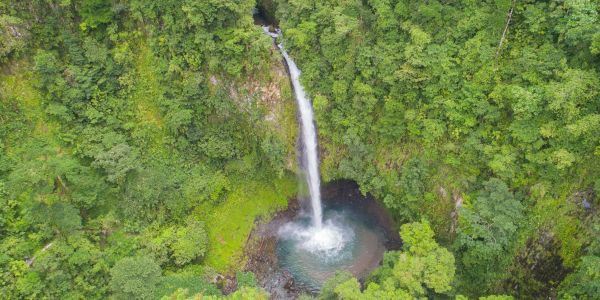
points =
(146, 95)
(229, 223)
(19, 86)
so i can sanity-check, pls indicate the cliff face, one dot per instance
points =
(267, 10)
(269, 93)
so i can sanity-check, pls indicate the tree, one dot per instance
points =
(117, 162)
(135, 278)
(413, 180)
(144, 192)
(423, 268)
(248, 293)
(95, 13)
(191, 242)
(328, 290)
(13, 36)
(486, 234)
(64, 218)
(584, 283)
(423, 265)
(71, 267)
(497, 297)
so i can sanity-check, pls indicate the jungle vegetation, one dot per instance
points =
(140, 140)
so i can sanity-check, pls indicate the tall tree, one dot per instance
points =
(486, 235)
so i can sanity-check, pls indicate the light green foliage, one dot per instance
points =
(349, 289)
(248, 293)
(423, 263)
(584, 283)
(245, 279)
(423, 268)
(191, 242)
(244, 293)
(135, 278)
(329, 288)
(188, 282)
(207, 186)
(229, 223)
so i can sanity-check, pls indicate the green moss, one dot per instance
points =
(147, 94)
(229, 223)
(558, 216)
(18, 87)
(289, 125)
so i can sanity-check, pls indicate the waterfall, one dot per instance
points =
(310, 159)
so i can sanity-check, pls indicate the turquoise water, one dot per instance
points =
(350, 242)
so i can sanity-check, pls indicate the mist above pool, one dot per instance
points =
(347, 240)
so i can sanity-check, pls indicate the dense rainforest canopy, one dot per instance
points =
(140, 140)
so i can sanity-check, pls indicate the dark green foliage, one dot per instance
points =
(143, 194)
(117, 162)
(72, 267)
(13, 36)
(111, 125)
(486, 234)
(267, 8)
(64, 218)
(412, 182)
(469, 93)
(274, 151)
(95, 13)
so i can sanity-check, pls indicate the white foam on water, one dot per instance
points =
(326, 241)
(267, 31)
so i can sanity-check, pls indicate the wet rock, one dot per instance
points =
(587, 205)
(228, 285)
(289, 283)
(261, 253)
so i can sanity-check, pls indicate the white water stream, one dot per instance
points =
(312, 248)
(324, 239)
(309, 137)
